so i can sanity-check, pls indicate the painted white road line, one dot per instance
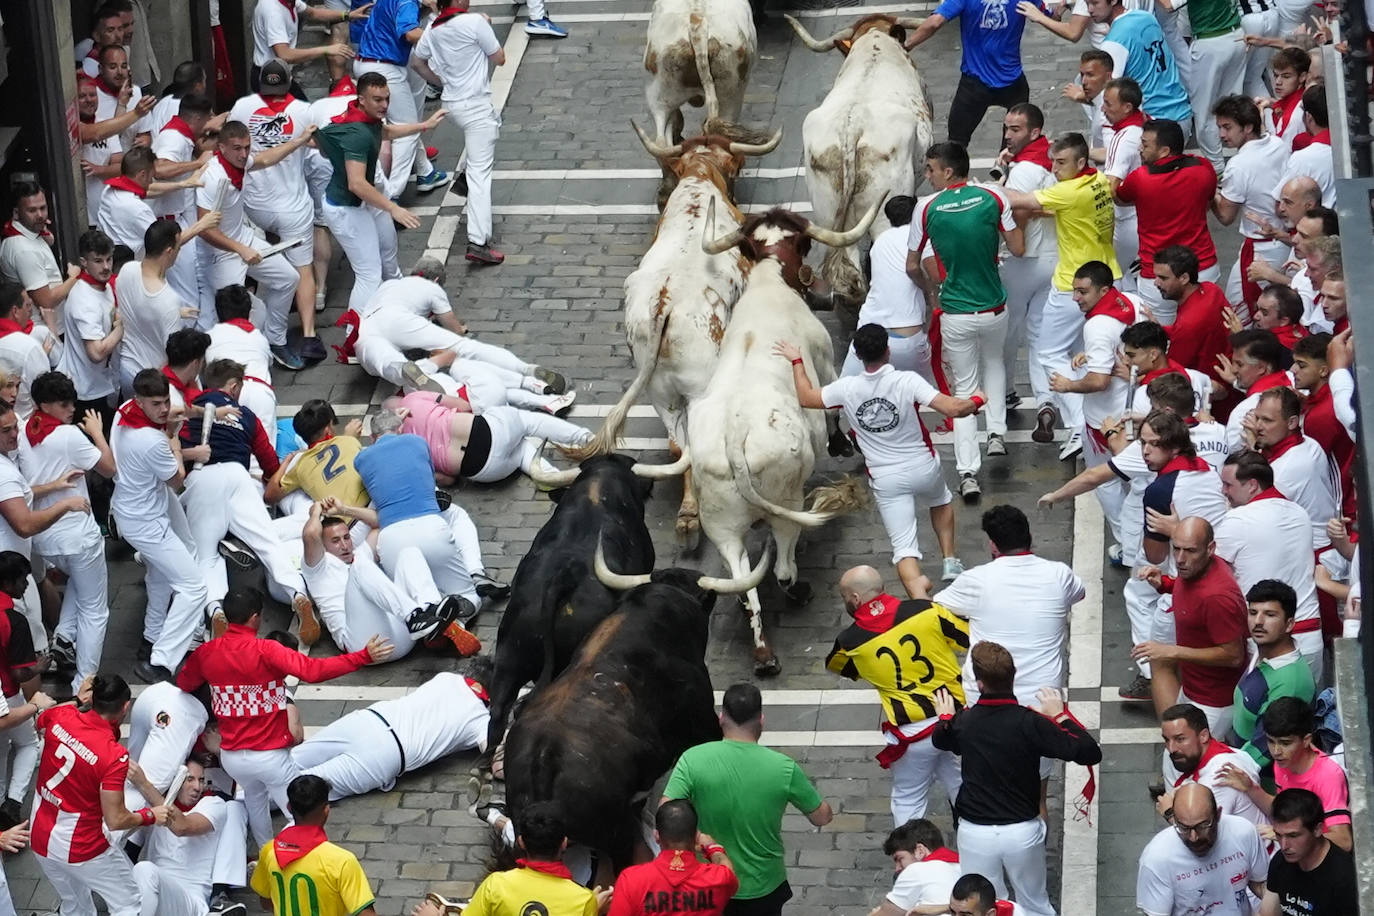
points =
(601, 410)
(796, 206)
(642, 174)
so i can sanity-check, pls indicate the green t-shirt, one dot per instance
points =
(359, 141)
(1212, 17)
(740, 791)
(1262, 685)
(961, 223)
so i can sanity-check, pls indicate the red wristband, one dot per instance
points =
(713, 849)
(797, 361)
(977, 403)
(946, 716)
(145, 815)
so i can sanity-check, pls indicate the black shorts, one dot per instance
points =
(770, 904)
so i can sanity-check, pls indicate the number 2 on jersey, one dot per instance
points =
(68, 758)
(329, 455)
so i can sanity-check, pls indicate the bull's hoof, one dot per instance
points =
(839, 445)
(688, 532)
(798, 594)
(819, 302)
(766, 663)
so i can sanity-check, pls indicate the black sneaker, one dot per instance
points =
(312, 350)
(483, 254)
(62, 653)
(554, 382)
(11, 814)
(150, 673)
(1138, 689)
(491, 589)
(1044, 424)
(444, 498)
(460, 184)
(1013, 400)
(237, 554)
(232, 908)
(464, 611)
(145, 651)
(423, 621)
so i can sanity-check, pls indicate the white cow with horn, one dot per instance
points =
(753, 446)
(868, 138)
(698, 52)
(678, 301)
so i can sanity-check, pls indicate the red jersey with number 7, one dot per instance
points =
(80, 758)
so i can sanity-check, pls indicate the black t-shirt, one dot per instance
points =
(1327, 890)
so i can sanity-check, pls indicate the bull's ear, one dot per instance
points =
(898, 34)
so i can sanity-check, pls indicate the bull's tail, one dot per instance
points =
(837, 267)
(827, 502)
(604, 441)
(701, 51)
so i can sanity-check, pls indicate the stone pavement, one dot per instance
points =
(574, 196)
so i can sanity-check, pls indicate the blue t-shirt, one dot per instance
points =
(1151, 64)
(991, 34)
(383, 35)
(398, 475)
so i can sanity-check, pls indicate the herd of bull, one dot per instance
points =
(616, 649)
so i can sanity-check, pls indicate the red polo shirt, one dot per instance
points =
(1171, 198)
(1199, 333)
(1209, 611)
(677, 882)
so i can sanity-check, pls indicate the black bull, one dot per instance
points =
(636, 696)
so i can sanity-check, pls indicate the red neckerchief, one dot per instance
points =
(277, 103)
(184, 809)
(243, 324)
(296, 842)
(93, 281)
(1272, 380)
(557, 869)
(290, 8)
(1340, 325)
(1269, 493)
(1184, 463)
(1005, 908)
(1214, 748)
(354, 114)
(1289, 334)
(1323, 137)
(1280, 448)
(1170, 366)
(876, 616)
(1301, 141)
(474, 686)
(941, 854)
(1037, 152)
(447, 14)
(1114, 305)
(344, 87)
(1283, 111)
(1088, 171)
(10, 231)
(181, 127)
(40, 426)
(188, 391)
(235, 173)
(8, 327)
(1134, 119)
(106, 87)
(132, 416)
(125, 183)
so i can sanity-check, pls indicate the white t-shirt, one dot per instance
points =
(1271, 539)
(145, 462)
(13, 484)
(175, 146)
(1316, 163)
(25, 352)
(1307, 475)
(166, 108)
(1173, 880)
(1041, 238)
(1021, 601)
(883, 409)
(1313, 315)
(148, 319)
(28, 260)
(1295, 121)
(229, 341)
(274, 24)
(1249, 180)
(1101, 341)
(327, 582)
(64, 448)
(1229, 800)
(271, 123)
(98, 152)
(218, 190)
(436, 719)
(1123, 157)
(1202, 395)
(924, 883)
(88, 314)
(1097, 31)
(894, 301)
(106, 107)
(415, 295)
(125, 218)
(190, 859)
(458, 52)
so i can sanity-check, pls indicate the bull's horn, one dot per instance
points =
(844, 239)
(664, 471)
(756, 149)
(618, 581)
(907, 22)
(810, 40)
(742, 584)
(725, 242)
(658, 152)
(554, 479)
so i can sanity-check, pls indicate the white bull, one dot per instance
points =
(698, 52)
(753, 445)
(678, 301)
(868, 138)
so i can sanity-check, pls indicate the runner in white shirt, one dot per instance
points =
(368, 749)
(1193, 755)
(100, 155)
(235, 337)
(232, 250)
(164, 723)
(93, 326)
(178, 157)
(1288, 75)
(277, 198)
(1213, 868)
(1121, 133)
(925, 870)
(1268, 536)
(149, 308)
(1303, 471)
(1253, 368)
(883, 409)
(1314, 160)
(20, 347)
(893, 300)
(58, 450)
(276, 27)
(111, 83)
(26, 252)
(106, 30)
(1145, 345)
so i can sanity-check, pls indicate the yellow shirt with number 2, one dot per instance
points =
(326, 881)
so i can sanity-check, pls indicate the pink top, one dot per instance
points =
(432, 422)
(1326, 778)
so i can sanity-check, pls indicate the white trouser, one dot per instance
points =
(23, 741)
(1176, 28)
(898, 489)
(167, 894)
(1270, 251)
(1140, 599)
(465, 536)
(6, 902)
(1266, 24)
(277, 282)
(432, 536)
(914, 771)
(987, 849)
(109, 874)
(1166, 310)
(536, 9)
(1112, 494)
(911, 354)
(1027, 281)
(368, 238)
(297, 221)
(221, 499)
(356, 754)
(172, 574)
(263, 776)
(1218, 717)
(1126, 244)
(480, 125)
(379, 605)
(1061, 333)
(1217, 69)
(1312, 648)
(85, 605)
(972, 347)
(509, 427)
(186, 280)
(231, 848)
(407, 99)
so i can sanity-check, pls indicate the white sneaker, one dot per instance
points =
(559, 403)
(953, 567)
(319, 301)
(1072, 447)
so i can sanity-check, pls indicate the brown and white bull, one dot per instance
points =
(867, 139)
(678, 301)
(753, 447)
(698, 52)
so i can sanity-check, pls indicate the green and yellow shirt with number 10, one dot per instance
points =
(962, 223)
(304, 874)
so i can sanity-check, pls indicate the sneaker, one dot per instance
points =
(287, 358)
(436, 179)
(319, 304)
(1114, 556)
(462, 641)
(237, 554)
(63, 656)
(138, 558)
(423, 621)
(417, 379)
(969, 489)
(997, 446)
(460, 184)
(1072, 447)
(231, 909)
(483, 254)
(11, 813)
(953, 567)
(312, 350)
(432, 94)
(488, 587)
(554, 382)
(1013, 400)
(462, 610)
(1138, 689)
(304, 609)
(150, 673)
(1044, 424)
(446, 907)
(219, 624)
(544, 27)
(145, 651)
(444, 498)
(560, 404)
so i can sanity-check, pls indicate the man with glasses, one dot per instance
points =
(1206, 862)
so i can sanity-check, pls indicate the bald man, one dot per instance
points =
(1199, 862)
(886, 628)
(1198, 647)
(1297, 198)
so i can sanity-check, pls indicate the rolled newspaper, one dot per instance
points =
(174, 789)
(207, 422)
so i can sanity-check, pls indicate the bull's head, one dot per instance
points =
(735, 586)
(845, 39)
(716, 158)
(555, 479)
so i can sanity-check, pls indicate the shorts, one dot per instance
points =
(897, 490)
(770, 904)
